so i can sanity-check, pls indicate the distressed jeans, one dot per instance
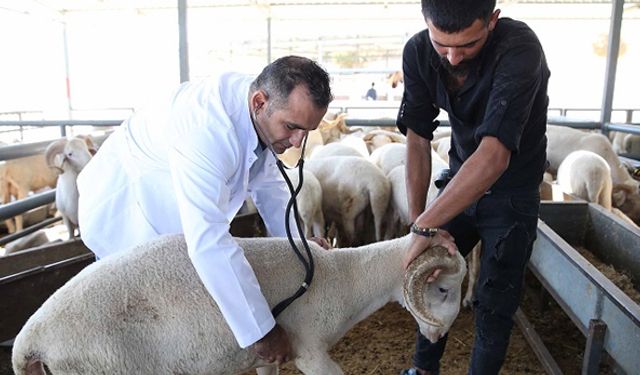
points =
(506, 224)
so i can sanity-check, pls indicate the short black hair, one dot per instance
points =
(280, 77)
(452, 16)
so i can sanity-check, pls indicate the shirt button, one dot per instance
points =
(503, 102)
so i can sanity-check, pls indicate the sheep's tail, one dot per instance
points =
(379, 201)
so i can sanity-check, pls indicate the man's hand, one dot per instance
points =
(421, 243)
(274, 347)
(322, 242)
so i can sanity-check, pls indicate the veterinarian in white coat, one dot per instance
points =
(186, 166)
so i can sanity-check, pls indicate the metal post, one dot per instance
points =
(594, 346)
(183, 45)
(613, 48)
(63, 129)
(269, 39)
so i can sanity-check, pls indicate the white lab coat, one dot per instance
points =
(184, 167)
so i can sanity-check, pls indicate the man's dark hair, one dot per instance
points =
(452, 16)
(280, 77)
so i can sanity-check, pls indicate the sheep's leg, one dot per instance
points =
(69, 226)
(319, 224)
(267, 370)
(474, 271)
(317, 363)
(19, 219)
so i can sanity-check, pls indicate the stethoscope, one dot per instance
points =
(307, 263)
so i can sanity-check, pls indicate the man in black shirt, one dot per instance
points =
(490, 76)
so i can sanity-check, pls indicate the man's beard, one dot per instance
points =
(460, 70)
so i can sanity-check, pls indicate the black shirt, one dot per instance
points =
(504, 96)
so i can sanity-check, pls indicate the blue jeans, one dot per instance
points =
(506, 223)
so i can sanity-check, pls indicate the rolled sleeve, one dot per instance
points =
(512, 95)
(202, 166)
(417, 109)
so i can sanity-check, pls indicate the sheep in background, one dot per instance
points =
(309, 201)
(328, 131)
(68, 158)
(627, 200)
(624, 143)
(442, 147)
(378, 137)
(146, 311)
(20, 176)
(27, 242)
(350, 186)
(586, 175)
(336, 149)
(389, 156)
(563, 140)
(399, 206)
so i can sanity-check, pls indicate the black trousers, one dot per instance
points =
(506, 223)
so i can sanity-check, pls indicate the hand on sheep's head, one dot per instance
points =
(274, 347)
(421, 243)
(322, 242)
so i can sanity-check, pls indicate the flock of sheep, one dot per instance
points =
(147, 312)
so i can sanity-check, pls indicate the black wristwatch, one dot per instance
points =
(427, 232)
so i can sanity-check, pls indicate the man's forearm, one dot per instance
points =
(418, 173)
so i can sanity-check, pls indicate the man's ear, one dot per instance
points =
(493, 19)
(258, 100)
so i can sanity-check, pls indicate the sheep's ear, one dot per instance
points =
(91, 145)
(415, 280)
(619, 196)
(55, 148)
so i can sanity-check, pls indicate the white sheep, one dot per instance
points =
(351, 185)
(399, 206)
(328, 131)
(586, 175)
(309, 201)
(377, 138)
(68, 157)
(442, 147)
(389, 156)
(563, 140)
(334, 149)
(147, 312)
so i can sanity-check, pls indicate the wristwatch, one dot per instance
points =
(427, 232)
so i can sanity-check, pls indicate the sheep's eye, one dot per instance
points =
(443, 290)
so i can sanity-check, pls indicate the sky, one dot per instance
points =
(119, 60)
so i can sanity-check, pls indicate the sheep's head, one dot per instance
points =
(74, 152)
(434, 305)
(627, 200)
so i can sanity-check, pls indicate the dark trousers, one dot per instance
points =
(506, 224)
